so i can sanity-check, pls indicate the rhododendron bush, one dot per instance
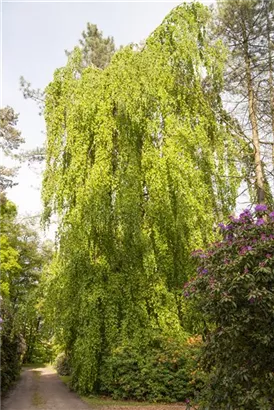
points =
(234, 291)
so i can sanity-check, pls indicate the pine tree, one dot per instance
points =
(10, 141)
(245, 27)
(96, 50)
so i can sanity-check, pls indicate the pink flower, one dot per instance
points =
(260, 222)
(260, 208)
(245, 249)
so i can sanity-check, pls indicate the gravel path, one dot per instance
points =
(41, 389)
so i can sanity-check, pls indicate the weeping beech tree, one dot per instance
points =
(140, 165)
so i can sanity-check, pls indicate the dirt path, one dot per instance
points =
(41, 389)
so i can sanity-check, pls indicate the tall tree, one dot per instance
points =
(139, 167)
(96, 50)
(245, 27)
(268, 58)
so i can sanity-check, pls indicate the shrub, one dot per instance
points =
(11, 350)
(163, 373)
(61, 364)
(10, 361)
(234, 291)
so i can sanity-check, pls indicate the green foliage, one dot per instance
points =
(30, 319)
(140, 164)
(61, 364)
(10, 267)
(95, 49)
(10, 140)
(162, 371)
(10, 361)
(22, 259)
(234, 292)
(12, 348)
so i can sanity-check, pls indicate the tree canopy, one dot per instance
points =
(10, 141)
(139, 168)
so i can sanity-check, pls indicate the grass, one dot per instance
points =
(65, 379)
(37, 399)
(98, 401)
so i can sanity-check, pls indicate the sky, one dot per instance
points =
(34, 37)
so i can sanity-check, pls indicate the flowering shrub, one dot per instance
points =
(234, 290)
(164, 372)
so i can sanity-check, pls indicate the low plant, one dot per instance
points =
(62, 365)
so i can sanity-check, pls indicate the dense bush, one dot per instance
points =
(10, 361)
(62, 365)
(234, 291)
(11, 350)
(163, 373)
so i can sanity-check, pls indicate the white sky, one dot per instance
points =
(34, 37)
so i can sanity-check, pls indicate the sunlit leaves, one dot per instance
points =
(138, 166)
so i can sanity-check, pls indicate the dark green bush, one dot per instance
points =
(11, 351)
(162, 373)
(10, 361)
(61, 364)
(234, 292)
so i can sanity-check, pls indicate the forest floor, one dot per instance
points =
(41, 389)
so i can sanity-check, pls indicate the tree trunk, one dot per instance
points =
(270, 78)
(252, 109)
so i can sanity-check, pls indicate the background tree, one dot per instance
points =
(96, 50)
(10, 141)
(9, 253)
(267, 98)
(22, 259)
(31, 315)
(246, 30)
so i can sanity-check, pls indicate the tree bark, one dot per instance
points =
(270, 78)
(252, 109)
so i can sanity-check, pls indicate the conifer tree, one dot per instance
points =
(246, 28)
(96, 50)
